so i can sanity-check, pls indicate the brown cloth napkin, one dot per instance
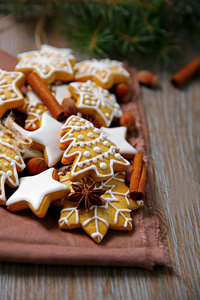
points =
(26, 238)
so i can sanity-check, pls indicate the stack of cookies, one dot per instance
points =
(69, 152)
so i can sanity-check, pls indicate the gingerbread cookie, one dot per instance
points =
(47, 138)
(37, 192)
(10, 94)
(113, 214)
(90, 152)
(93, 100)
(117, 135)
(104, 72)
(49, 63)
(34, 107)
(11, 161)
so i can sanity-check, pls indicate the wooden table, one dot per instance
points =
(174, 129)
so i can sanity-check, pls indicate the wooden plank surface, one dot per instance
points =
(174, 129)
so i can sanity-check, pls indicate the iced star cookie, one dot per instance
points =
(49, 63)
(47, 138)
(91, 99)
(11, 162)
(117, 135)
(113, 214)
(37, 192)
(104, 72)
(34, 107)
(10, 94)
(90, 152)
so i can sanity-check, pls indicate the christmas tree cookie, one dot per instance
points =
(113, 213)
(104, 72)
(11, 161)
(92, 99)
(50, 63)
(90, 152)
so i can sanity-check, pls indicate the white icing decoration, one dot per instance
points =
(97, 149)
(103, 166)
(81, 137)
(90, 134)
(106, 143)
(118, 156)
(87, 154)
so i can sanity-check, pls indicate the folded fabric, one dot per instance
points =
(26, 238)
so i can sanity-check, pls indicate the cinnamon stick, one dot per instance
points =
(186, 73)
(46, 96)
(138, 178)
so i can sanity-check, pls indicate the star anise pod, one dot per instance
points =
(86, 196)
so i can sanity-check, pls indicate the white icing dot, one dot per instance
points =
(97, 149)
(82, 120)
(6, 164)
(74, 119)
(78, 124)
(77, 128)
(31, 109)
(87, 101)
(70, 123)
(8, 140)
(90, 134)
(17, 157)
(3, 97)
(86, 154)
(14, 95)
(10, 88)
(9, 173)
(71, 134)
(106, 143)
(82, 145)
(81, 137)
(87, 162)
(39, 111)
(13, 76)
(97, 130)
(1, 91)
(93, 103)
(3, 81)
(103, 166)
(118, 156)
(106, 155)
(80, 164)
(107, 115)
(95, 160)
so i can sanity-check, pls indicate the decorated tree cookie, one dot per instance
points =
(113, 214)
(11, 161)
(90, 152)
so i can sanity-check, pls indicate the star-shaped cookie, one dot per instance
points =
(47, 138)
(114, 214)
(104, 72)
(93, 100)
(117, 135)
(50, 63)
(10, 95)
(37, 192)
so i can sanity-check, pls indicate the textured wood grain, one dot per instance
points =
(174, 130)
